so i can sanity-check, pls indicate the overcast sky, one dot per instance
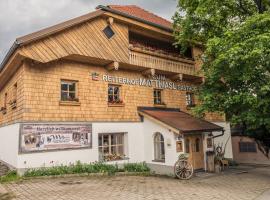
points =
(21, 17)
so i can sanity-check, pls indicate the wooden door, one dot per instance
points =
(194, 147)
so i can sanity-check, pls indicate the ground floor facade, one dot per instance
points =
(34, 145)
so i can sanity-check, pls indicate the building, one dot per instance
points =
(246, 150)
(106, 86)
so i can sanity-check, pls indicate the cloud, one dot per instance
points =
(21, 17)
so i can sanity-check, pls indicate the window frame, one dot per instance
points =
(159, 147)
(111, 29)
(117, 102)
(190, 99)
(110, 146)
(250, 147)
(69, 82)
(160, 91)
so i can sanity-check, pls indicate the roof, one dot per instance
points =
(48, 31)
(183, 122)
(136, 11)
(133, 12)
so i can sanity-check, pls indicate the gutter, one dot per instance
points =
(105, 8)
(219, 134)
(13, 48)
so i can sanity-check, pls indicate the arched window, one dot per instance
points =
(197, 145)
(159, 147)
(187, 144)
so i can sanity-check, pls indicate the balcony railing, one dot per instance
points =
(161, 62)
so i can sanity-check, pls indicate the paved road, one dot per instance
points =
(244, 183)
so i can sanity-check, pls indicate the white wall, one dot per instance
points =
(223, 139)
(134, 148)
(9, 143)
(149, 129)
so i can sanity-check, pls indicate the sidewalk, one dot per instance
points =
(264, 196)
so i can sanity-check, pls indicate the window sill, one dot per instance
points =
(160, 161)
(160, 105)
(116, 160)
(190, 106)
(116, 104)
(69, 103)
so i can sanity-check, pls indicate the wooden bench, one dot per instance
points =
(224, 163)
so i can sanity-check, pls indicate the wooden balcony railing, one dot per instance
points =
(161, 62)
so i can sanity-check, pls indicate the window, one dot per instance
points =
(68, 91)
(111, 146)
(157, 97)
(247, 147)
(197, 145)
(114, 94)
(108, 32)
(5, 101)
(13, 101)
(187, 145)
(190, 99)
(159, 147)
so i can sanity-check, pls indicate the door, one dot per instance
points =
(194, 147)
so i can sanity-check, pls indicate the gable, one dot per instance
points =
(87, 39)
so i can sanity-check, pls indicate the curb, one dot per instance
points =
(90, 175)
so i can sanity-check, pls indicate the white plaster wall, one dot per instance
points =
(149, 129)
(223, 139)
(9, 141)
(134, 145)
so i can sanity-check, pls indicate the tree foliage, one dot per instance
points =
(236, 59)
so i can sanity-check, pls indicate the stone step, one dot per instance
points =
(3, 169)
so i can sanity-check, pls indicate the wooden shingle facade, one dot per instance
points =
(98, 69)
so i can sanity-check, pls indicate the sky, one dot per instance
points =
(21, 17)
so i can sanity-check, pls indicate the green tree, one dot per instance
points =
(235, 35)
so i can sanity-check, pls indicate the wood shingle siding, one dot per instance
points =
(87, 39)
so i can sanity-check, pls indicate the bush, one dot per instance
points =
(77, 168)
(136, 167)
(10, 176)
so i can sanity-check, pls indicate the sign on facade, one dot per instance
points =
(157, 81)
(43, 137)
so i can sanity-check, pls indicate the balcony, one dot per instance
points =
(162, 62)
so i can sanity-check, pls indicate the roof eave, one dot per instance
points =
(13, 48)
(105, 8)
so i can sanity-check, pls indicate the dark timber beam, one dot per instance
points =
(148, 72)
(177, 77)
(112, 66)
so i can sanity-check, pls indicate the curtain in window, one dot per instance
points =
(159, 147)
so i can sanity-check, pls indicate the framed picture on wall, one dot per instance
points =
(209, 143)
(179, 146)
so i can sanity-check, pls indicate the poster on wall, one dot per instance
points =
(45, 137)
